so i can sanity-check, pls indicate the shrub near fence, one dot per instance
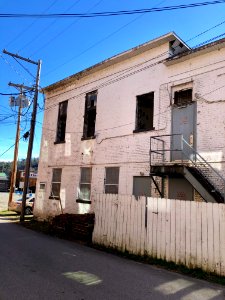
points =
(183, 232)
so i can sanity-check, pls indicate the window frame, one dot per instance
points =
(62, 118)
(79, 199)
(111, 184)
(52, 196)
(182, 103)
(139, 99)
(88, 129)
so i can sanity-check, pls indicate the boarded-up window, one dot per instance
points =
(112, 180)
(90, 115)
(56, 183)
(142, 186)
(145, 112)
(61, 124)
(183, 98)
(85, 184)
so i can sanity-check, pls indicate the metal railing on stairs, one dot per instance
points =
(170, 149)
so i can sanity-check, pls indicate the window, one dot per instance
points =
(61, 125)
(90, 115)
(112, 180)
(142, 186)
(56, 183)
(183, 98)
(145, 112)
(85, 185)
(42, 186)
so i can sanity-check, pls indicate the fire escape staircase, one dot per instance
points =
(205, 179)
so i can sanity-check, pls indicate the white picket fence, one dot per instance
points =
(184, 232)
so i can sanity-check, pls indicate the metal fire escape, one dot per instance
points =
(172, 155)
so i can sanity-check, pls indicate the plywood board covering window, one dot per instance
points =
(56, 183)
(112, 180)
(145, 112)
(61, 124)
(90, 115)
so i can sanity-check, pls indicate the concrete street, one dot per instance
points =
(37, 266)
(4, 197)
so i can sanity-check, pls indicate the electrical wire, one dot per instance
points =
(47, 27)
(205, 31)
(28, 27)
(98, 42)
(10, 148)
(113, 13)
(14, 69)
(210, 40)
(24, 67)
(112, 34)
(62, 31)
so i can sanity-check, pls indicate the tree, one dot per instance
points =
(5, 166)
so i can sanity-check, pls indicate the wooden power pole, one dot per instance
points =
(32, 129)
(14, 164)
(31, 140)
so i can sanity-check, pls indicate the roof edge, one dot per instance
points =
(116, 59)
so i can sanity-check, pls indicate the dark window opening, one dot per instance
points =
(145, 112)
(183, 98)
(90, 115)
(112, 180)
(84, 192)
(56, 183)
(61, 124)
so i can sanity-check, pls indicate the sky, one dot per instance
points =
(68, 45)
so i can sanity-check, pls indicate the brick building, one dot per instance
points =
(148, 121)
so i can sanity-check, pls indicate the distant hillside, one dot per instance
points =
(6, 166)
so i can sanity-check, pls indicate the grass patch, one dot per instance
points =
(7, 213)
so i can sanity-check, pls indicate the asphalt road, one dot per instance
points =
(37, 266)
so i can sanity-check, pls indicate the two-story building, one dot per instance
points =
(149, 121)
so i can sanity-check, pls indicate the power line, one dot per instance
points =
(14, 69)
(62, 31)
(28, 27)
(24, 67)
(9, 148)
(113, 13)
(113, 33)
(98, 42)
(207, 30)
(210, 40)
(131, 123)
(47, 27)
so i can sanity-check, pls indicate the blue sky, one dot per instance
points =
(67, 46)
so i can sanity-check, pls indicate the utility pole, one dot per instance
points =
(14, 164)
(31, 140)
(32, 129)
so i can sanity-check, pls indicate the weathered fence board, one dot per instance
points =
(185, 232)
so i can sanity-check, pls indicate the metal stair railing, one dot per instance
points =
(161, 152)
(205, 168)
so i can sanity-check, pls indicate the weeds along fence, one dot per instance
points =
(183, 232)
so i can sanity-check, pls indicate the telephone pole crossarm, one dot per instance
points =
(21, 86)
(20, 57)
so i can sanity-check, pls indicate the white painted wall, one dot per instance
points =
(115, 143)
